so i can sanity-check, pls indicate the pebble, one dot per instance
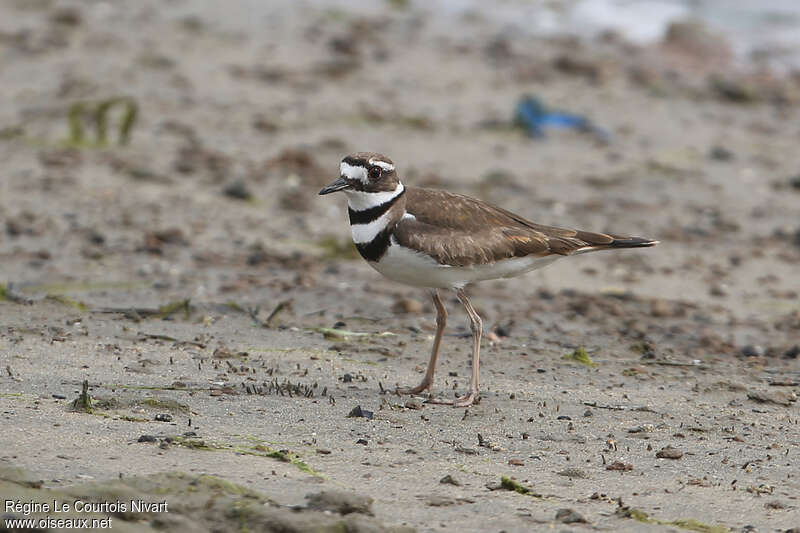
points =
(341, 502)
(414, 404)
(718, 290)
(147, 438)
(450, 480)
(569, 516)
(779, 397)
(720, 153)
(752, 350)
(669, 452)
(238, 190)
(792, 352)
(408, 305)
(163, 417)
(574, 472)
(358, 412)
(468, 451)
(440, 501)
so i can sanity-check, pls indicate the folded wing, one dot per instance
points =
(461, 231)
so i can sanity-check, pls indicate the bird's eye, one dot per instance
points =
(375, 172)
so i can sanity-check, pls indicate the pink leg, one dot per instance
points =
(477, 326)
(441, 322)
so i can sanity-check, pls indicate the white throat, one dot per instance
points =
(361, 201)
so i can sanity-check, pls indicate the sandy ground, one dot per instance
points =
(243, 116)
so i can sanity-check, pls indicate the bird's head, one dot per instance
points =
(365, 173)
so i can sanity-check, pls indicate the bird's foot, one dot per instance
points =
(425, 385)
(470, 399)
(438, 401)
(462, 401)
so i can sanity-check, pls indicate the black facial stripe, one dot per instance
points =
(374, 249)
(353, 162)
(355, 184)
(373, 213)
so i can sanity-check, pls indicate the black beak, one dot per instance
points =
(337, 185)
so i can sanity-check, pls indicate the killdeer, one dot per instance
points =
(440, 240)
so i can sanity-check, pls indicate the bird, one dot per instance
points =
(440, 240)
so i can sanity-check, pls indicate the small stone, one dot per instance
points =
(440, 501)
(66, 16)
(563, 417)
(794, 181)
(792, 352)
(718, 290)
(574, 472)
(163, 417)
(95, 237)
(358, 412)
(619, 466)
(720, 153)
(347, 378)
(147, 438)
(413, 404)
(237, 190)
(408, 305)
(363, 442)
(340, 502)
(569, 516)
(752, 350)
(588, 413)
(779, 397)
(775, 504)
(323, 451)
(450, 480)
(669, 452)
(661, 308)
(468, 451)
(516, 462)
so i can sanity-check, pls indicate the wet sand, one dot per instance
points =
(154, 269)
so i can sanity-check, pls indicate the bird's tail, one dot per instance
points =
(631, 242)
(616, 242)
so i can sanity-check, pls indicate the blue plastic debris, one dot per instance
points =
(532, 115)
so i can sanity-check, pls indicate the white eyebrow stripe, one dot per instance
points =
(383, 164)
(354, 172)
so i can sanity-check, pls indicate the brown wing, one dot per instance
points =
(459, 230)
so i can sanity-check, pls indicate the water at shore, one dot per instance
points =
(768, 29)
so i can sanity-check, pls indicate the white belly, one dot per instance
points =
(413, 268)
